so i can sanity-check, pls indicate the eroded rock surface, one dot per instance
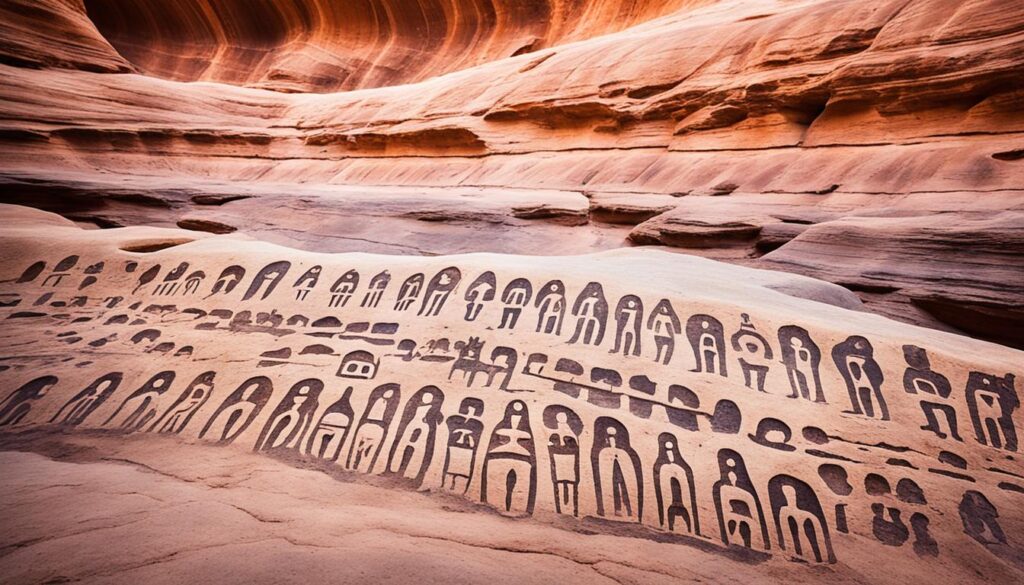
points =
(502, 390)
(702, 418)
(828, 108)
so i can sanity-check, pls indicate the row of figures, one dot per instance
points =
(991, 410)
(432, 295)
(589, 312)
(401, 441)
(991, 400)
(509, 471)
(64, 269)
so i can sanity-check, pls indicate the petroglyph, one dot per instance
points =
(766, 434)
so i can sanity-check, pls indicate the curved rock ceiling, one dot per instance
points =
(329, 45)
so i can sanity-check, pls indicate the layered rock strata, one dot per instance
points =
(826, 113)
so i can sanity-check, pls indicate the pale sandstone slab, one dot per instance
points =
(408, 374)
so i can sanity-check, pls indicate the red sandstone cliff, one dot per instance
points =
(877, 145)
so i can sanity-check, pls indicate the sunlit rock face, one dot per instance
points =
(624, 291)
(769, 133)
(325, 45)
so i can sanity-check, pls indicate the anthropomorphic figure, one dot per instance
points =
(856, 363)
(373, 428)
(141, 407)
(618, 478)
(740, 516)
(509, 475)
(801, 526)
(755, 354)
(591, 312)
(343, 289)
(464, 433)
(664, 325)
(564, 429)
(329, 434)
(674, 488)
(515, 297)
(307, 282)
(480, 292)
(19, 403)
(550, 305)
(802, 359)
(991, 402)
(934, 389)
(81, 405)
(375, 292)
(707, 338)
(286, 428)
(266, 280)
(181, 411)
(238, 410)
(629, 317)
(438, 290)
(409, 292)
(413, 448)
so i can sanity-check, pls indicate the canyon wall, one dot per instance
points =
(320, 45)
(768, 134)
(624, 291)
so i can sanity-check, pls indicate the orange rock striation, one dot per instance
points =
(325, 45)
(876, 144)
